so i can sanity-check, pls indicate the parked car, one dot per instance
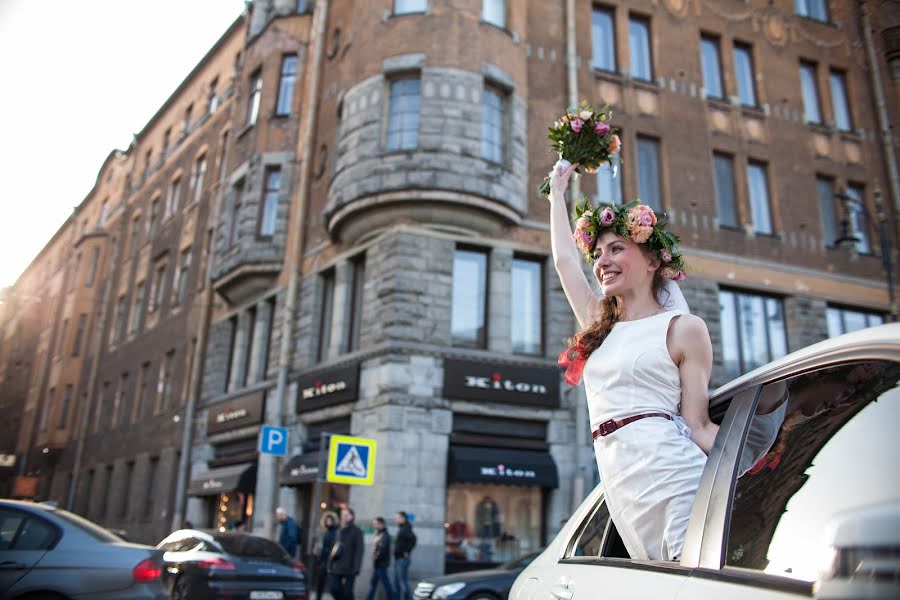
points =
(47, 552)
(799, 497)
(487, 584)
(201, 564)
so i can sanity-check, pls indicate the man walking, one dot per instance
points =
(406, 541)
(346, 557)
(381, 559)
(289, 532)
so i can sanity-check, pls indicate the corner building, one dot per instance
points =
(370, 256)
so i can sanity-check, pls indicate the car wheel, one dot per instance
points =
(41, 596)
(181, 590)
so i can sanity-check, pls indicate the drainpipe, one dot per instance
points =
(268, 464)
(884, 124)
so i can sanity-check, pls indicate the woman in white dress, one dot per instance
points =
(646, 368)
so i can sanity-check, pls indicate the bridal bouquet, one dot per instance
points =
(584, 136)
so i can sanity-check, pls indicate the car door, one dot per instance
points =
(833, 450)
(24, 539)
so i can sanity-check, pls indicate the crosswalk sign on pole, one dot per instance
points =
(351, 460)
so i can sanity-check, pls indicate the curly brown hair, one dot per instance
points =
(608, 312)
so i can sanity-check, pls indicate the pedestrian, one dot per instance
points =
(381, 560)
(289, 532)
(329, 522)
(346, 557)
(406, 541)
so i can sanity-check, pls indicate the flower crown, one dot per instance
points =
(634, 221)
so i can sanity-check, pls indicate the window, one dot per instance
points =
(327, 282)
(157, 285)
(140, 393)
(104, 213)
(232, 342)
(148, 159)
(212, 99)
(758, 192)
(181, 276)
(186, 126)
(197, 176)
(266, 353)
(173, 199)
(648, 172)
(725, 195)
(810, 89)
(526, 306)
(73, 281)
(711, 66)
(164, 383)
(358, 265)
(303, 6)
(494, 12)
(167, 136)
(744, 74)
(753, 331)
(234, 226)
(403, 115)
(603, 39)
(845, 320)
(79, 334)
(839, 101)
(253, 100)
(48, 409)
(825, 191)
(64, 409)
(609, 185)
(248, 351)
(286, 84)
(123, 503)
(151, 488)
(101, 406)
(829, 461)
(135, 235)
(269, 212)
(469, 298)
(493, 124)
(118, 400)
(590, 539)
(92, 268)
(64, 332)
(120, 319)
(856, 214)
(814, 9)
(153, 221)
(137, 308)
(402, 7)
(223, 151)
(639, 44)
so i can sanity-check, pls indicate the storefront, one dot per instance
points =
(499, 470)
(228, 486)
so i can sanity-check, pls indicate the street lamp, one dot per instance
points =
(851, 204)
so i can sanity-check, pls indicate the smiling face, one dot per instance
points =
(621, 266)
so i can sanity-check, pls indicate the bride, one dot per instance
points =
(646, 363)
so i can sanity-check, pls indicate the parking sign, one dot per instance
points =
(273, 440)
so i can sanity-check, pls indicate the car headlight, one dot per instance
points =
(447, 590)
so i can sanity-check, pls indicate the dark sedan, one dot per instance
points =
(206, 564)
(489, 584)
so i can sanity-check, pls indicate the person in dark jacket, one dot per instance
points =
(330, 522)
(289, 532)
(406, 541)
(381, 560)
(346, 557)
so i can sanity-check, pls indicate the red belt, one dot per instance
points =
(604, 429)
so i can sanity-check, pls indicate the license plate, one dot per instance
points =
(266, 595)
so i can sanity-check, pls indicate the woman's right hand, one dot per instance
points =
(559, 178)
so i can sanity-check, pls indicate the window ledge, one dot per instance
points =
(501, 28)
(753, 111)
(608, 75)
(771, 236)
(649, 85)
(732, 228)
(244, 130)
(826, 23)
(819, 127)
(719, 102)
(277, 116)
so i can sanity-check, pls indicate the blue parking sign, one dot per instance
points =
(273, 440)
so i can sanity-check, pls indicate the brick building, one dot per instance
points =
(332, 225)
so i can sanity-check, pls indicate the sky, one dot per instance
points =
(79, 79)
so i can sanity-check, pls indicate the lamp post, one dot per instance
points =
(849, 237)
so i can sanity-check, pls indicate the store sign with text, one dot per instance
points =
(235, 413)
(326, 388)
(498, 382)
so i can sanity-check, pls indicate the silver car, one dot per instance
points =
(47, 552)
(800, 496)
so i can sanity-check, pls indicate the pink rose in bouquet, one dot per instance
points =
(641, 220)
(584, 235)
(607, 216)
(601, 128)
(576, 124)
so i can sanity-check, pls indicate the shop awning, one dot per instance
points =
(478, 464)
(300, 469)
(234, 478)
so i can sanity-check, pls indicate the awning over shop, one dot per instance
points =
(235, 478)
(300, 469)
(478, 464)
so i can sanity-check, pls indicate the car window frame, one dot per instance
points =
(27, 514)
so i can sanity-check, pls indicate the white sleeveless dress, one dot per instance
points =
(650, 469)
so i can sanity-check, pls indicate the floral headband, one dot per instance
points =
(634, 221)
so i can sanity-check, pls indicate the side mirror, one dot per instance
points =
(866, 555)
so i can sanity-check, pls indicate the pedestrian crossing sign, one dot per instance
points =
(351, 460)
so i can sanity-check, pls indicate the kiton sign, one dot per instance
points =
(325, 388)
(497, 382)
(236, 412)
(501, 471)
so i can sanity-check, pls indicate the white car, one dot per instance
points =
(800, 496)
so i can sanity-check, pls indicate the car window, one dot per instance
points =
(20, 531)
(588, 538)
(820, 444)
(251, 546)
(10, 522)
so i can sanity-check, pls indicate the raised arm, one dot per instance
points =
(566, 257)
